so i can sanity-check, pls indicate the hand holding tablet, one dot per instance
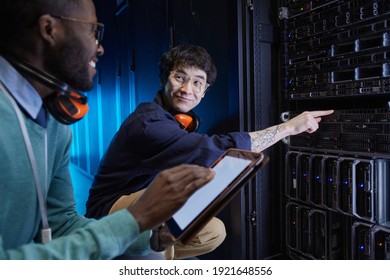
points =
(232, 171)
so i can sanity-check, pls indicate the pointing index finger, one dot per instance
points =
(321, 113)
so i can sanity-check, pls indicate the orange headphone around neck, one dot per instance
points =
(65, 104)
(68, 108)
(188, 121)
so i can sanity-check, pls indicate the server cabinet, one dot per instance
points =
(258, 60)
(335, 55)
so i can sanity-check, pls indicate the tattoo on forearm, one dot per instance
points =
(264, 139)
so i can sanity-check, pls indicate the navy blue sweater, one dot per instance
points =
(149, 141)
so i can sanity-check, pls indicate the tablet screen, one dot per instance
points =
(225, 172)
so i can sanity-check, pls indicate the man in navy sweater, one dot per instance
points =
(157, 136)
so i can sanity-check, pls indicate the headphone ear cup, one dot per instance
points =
(189, 121)
(67, 109)
(194, 124)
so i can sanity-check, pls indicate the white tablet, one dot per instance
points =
(232, 171)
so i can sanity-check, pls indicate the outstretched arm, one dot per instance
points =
(306, 121)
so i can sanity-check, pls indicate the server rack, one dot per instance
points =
(336, 55)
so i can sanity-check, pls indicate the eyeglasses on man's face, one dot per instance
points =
(98, 27)
(180, 79)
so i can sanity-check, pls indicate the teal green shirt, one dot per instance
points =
(74, 236)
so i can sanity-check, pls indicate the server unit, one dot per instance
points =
(336, 55)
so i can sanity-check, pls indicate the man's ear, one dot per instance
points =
(49, 28)
(204, 93)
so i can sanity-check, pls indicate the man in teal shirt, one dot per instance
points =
(45, 46)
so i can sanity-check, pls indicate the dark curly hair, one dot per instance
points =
(187, 56)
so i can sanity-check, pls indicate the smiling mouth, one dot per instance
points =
(92, 64)
(183, 99)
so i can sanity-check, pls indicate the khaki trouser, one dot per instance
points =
(207, 240)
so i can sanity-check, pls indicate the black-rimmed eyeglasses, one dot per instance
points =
(99, 31)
